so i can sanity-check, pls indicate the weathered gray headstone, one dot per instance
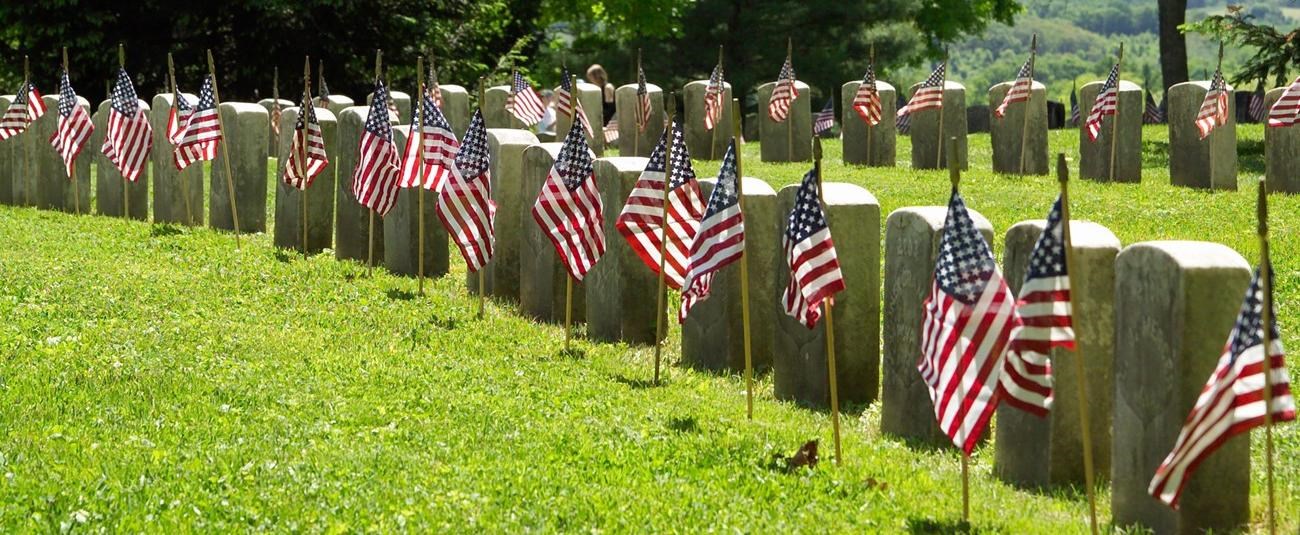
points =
(352, 221)
(53, 189)
(912, 237)
(1094, 156)
(620, 288)
(402, 229)
(177, 195)
(854, 130)
(1175, 304)
(320, 195)
(506, 149)
(1209, 163)
(925, 134)
(245, 143)
(713, 335)
(799, 368)
(706, 144)
(777, 140)
(1048, 451)
(494, 109)
(273, 141)
(590, 98)
(337, 103)
(1006, 132)
(632, 141)
(542, 277)
(455, 106)
(1281, 152)
(403, 103)
(8, 159)
(108, 180)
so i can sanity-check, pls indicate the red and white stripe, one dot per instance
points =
(713, 99)
(719, 241)
(867, 103)
(307, 156)
(1214, 109)
(1020, 90)
(429, 159)
(1286, 111)
(21, 112)
(572, 220)
(73, 129)
(783, 95)
(1045, 311)
(641, 221)
(814, 277)
(1107, 103)
(128, 142)
(524, 103)
(465, 204)
(930, 94)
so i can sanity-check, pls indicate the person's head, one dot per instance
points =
(548, 96)
(596, 75)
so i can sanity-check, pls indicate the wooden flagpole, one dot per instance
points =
(1209, 153)
(1063, 176)
(126, 184)
(1024, 129)
(27, 191)
(1266, 316)
(568, 277)
(829, 306)
(943, 92)
(176, 96)
(744, 263)
(871, 62)
(954, 175)
(789, 116)
(636, 130)
(370, 229)
(417, 130)
(671, 108)
(76, 188)
(302, 155)
(275, 97)
(482, 283)
(1114, 119)
(225, 147)
(713, 142)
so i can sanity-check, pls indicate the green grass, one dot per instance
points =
(157, 379)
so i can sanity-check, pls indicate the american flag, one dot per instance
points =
(568, 207)
(129, 138)
(1046, 311)
(1214, 109)
(309, 141)
(435, 90)
(523, 102)
(810, 255)
(1255, 111)
(1152, 114)
(643, 100)
(1107, 103)
(968, 319)
(930, 94)
(867, 100)
(642, 219)
(1074, 105)
(74, 125)
(611, 131)
(324, 97)
(565, 102)
(904, 124)
(1286, 111)
(784, 93)
(202, 131)
(374, 182)
(1232, 401)
(720, 239)
(176, 120)
(465, 205)
(824, 120)
(1020, 89)
(431, 147)
(713, 98)
(276, 112)
(26, 107)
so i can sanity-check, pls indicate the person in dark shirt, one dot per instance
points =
(596, 76)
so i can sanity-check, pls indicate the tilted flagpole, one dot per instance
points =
(943, 93)
(417, 130)
(126, 184)
(713, 143)
(225, 147)
(828, 305)
(27, 79)
(744, 262)
(1114, 118)
(871, 65)
(671, 109)
(370, 230)
(76, 187)
(482, 283)
(302, 155)
(954, 175)
(176, 96)
(789, 116)
(1024, 129)
(1266, 285)
(636, 130)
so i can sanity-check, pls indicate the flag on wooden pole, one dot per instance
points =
(1074, 104)
(26, 107)
(720, 239)
(568, 207)
(1214, 109)
(374, 182)
(784, 93)
(129, 137)
(641, 222)
(867, 100)
(930, 94)
(523, 102)
(713, 98)
(1020, 89)
(1107, 103)
(642, 99)
(74, 126)
(465, 204)
(810, 256)
(309, 140)
(1255, 111)
(611, 131)
(565, 103)
(198, 139)
(824, 120)
(1152, 114)
(430, 156)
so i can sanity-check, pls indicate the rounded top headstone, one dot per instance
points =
(1124, 86)
(244, 107)
(881, 85)
(1188, 254)
(798, 85)
(948, 85)
(512, 136)
(1006, 86)
(105, 105)
(552, 149)
(844, 193)
(649, 87)
(1083, 234)
(935, 216)
(1197, 87)
(696, 83)
(624, 164)
(452, 88)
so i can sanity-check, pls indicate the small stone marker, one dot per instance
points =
(706, 144)
(620, 287)
(108, 180)
(926, 136)
(506, 150)
(320, 195)
(590, 98)
(1006, 132)
(854, 130)
(495, 114)
(245, 127)
(170, 185)
(912, 237)
(799, 368)
(402, 229)
(631, 141)
(8, 159)
(1209, 163)
(777, 140)
(52, 188)
(273, 141)
(713, 337)
(351, 219)
(403, 103)
(541, 274)
(336, 103)
(1281, 151)
(455, 106)
(1175, 304)
(1048, 451)
(1094, 156)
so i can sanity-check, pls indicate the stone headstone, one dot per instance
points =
(109, 182)
(403, 103)
(337, 103)
(926, 138)
(1055, 115)
(320, 194)
(53, 190)
(245, 143)
(620, 288)
(977, 119)
(1094, 156)
(8, 159)
(1281, 152)
(799, 368)
(777, 140)
(273, 140)
(1007, 132)
(631, 140)
(713, 335)
(590, 98)
(178, 196)
(882, 150)
(402, 229)
(1175, 304)
(542, 277)
(352, 221)
(1209, 163)
(706, 144)
(1048, 451)
(455, 106)
(506, 150)
(912, 237)
(495, 114)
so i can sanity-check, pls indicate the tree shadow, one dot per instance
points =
(162, 230)
(572, 353)
(1250, 157)
(684, 424)
(401, 295)
(930, 526)
(639, 383)
(1155, 153)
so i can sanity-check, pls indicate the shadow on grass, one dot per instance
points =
(446, 324)
(932, 526)
(572, 353)
(684, 424)
(639, 384)
(162, 230)
(1155, 153)
(1250, 157)
(402, 295)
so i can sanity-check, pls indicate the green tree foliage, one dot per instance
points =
(1275, 52)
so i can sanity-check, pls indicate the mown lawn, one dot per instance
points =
(156, 378)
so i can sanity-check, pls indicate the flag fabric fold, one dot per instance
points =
(1106, 103)
(824, 120)
(307, 156)
(566, 103)
(814, 268)
(784, 93)
(129, 138)
(374, 182)
(1214, 109)
(1286, 111)
(642, 99)
(568, 207)
(930, 94)
(429, 159)
(74, 126)
(714, 94)
(866, 101)
(26, 107)
(720, 239)
(523, 102)
(641, 221)
(1020, 90)
(198, 138)
(465, 203)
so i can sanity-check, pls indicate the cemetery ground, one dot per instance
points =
(157, 378)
